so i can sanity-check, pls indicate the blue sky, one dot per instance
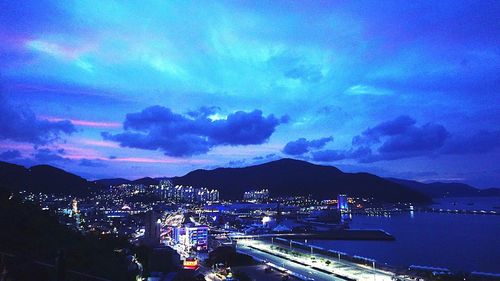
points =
(159, 88)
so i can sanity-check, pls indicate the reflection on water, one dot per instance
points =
(457, 241)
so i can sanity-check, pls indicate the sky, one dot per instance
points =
(407, 89)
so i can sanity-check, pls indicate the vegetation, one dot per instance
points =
(32, 236)
(228, 256)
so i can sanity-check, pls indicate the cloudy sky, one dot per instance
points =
(158, 88)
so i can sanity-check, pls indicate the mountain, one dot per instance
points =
(444, 189)
(146, 181)
(115, 181)
(12, 175)
(42, 178)
(294, 177)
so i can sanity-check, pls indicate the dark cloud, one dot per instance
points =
(10, 154)
(396, 139)
(268, 156)
(389, 140)
(426, 138)
(237, 163)
(175, 134)
(327, 155)
(21, 124)
(302, 145)
(204, 111)
(402, 138)
(91, 163)
(394, 127)
(45, 155)
(480, 142)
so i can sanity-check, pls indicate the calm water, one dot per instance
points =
(458, 242)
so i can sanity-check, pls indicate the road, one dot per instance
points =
(290, 265)
(342, 268)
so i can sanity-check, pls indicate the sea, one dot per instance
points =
(459, 242)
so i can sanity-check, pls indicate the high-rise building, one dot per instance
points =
(342, 204)
(165, 189)
(214, 195)
(152, 228)
(189, 194)
(205, 195)
(202, 195)
(75, 213)
(192, 237)
(256, 195)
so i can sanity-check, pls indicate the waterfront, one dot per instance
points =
(457, 241)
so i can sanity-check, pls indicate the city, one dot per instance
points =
(230, 140)
(183, 226)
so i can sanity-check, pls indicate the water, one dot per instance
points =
(456, 241)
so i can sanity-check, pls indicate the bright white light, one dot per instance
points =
(266, 219)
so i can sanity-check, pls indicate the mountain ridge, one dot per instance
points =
(43, 178)
(447, 189)
(286, 177)
(49, 179)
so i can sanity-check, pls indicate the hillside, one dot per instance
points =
(31, 234)
(114, 181)
(42, 178)
(444, 189)
(118, 181)
(294, 177)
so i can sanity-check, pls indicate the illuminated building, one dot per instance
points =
(342, 204)
(186, 194)
(164, 189)
(192, 237)
(152, 228)
(205, 195)
(75, 213)
(190, 263)
(256, 195)
(214, 195)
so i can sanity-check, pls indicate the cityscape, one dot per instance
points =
(249, 140)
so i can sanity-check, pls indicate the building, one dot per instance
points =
(342, 204)
(75, 213)
(256, 195)
(152, 224)
(205, 195)
(164, 189)
(214, 195)
(191, 237)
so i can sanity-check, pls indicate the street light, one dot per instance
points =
(374, 276)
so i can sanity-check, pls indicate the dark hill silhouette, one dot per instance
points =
(294, 177)
(118, 181)
(447, 189)
(12, 175)
(35, 235)
(282, 177)
(146, 181)
(114, 181)
(43, 178)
